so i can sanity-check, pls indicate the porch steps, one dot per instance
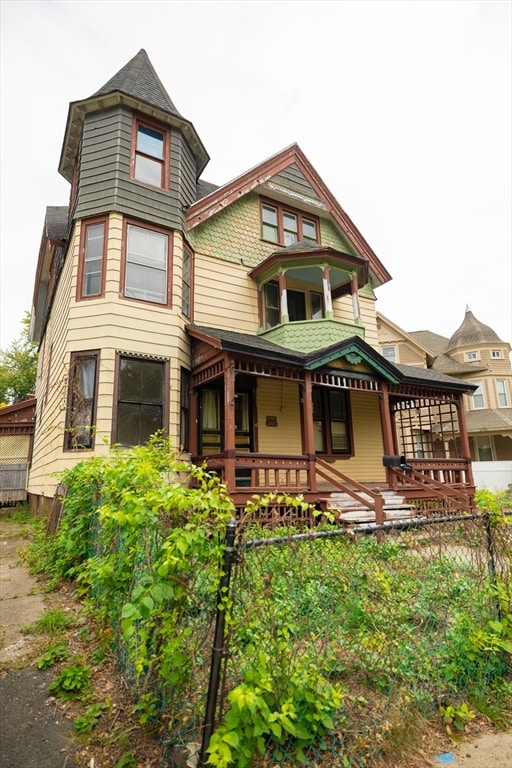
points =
(351, 511)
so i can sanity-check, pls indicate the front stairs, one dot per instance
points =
(348, 511)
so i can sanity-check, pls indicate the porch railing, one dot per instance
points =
(434, 482)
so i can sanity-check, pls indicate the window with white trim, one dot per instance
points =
(501, 391)
(478, 396)
(390, 353)
(472, 356)
(146, 265)
(496, 354)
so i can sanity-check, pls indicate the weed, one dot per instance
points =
(85, 723)
(127, 761)
(456, 716)
(51, 621)
(72, 682)
(52, 655)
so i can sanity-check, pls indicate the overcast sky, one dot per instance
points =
(403, 108)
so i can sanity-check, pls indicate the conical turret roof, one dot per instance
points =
(472, 333)
(138, 79)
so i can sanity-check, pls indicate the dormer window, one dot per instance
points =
(471, 356)
(496, 354)
(150, 152)
(285, 225)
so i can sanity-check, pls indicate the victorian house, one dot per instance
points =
(239, 319)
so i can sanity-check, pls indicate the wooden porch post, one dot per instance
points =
(193, 422)
(229, 425)
(283, 299)
(388, 437)
(326, 284)
(355, 297)
(309, 438)
(464, 438)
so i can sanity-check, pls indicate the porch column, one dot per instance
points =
(229, 425)
(326, 284)
(464, 438)
(193, 422)
(355, 297)
(309, 438)
(283, 299)
(388, 436)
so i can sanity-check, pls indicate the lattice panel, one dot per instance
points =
(14, 448)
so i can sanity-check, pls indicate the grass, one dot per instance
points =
(51, 622)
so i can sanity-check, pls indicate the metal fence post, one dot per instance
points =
(218, 642)
(491, 561)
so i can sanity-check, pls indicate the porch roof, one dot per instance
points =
(349, 349)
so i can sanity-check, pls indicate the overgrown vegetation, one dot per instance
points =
(325, 636)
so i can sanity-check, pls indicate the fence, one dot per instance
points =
(336, 642)
(321, 647)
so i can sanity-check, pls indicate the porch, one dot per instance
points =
(339, 420)
(430, 487)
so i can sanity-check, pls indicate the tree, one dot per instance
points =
(18, 367)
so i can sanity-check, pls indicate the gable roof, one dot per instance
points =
(227, 194)
(257, 346)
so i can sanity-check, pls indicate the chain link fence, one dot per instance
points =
(338, 640)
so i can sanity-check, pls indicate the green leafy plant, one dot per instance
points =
(72, 682)
(52, 656)
(127, 760)
(458, 717)
(85, 723)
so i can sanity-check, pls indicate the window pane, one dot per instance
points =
(146, 267)
(478, 396)
(93, 259)
(339, 437)
(308, 229)
(501, 388)
(80, 416)
(296, 305)
(148, 171)
(269, 215)
(318, 421)
(290, 228)
(316, 305)
(140, 403)
(272, 295)
(337, 404)
(150, 142)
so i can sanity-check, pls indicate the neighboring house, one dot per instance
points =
(16, 439)
(476, 355)
(240, 319)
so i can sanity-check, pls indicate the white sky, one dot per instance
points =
(403, 108)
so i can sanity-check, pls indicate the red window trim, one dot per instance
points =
(165, 162)
(80, 295)
(281, 209)
(74, 357)
(170, 244)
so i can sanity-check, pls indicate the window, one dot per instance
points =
(91, 269)
(331, 421)
(184, 408)
(186, 283)
(271, 294)
(286, 226)
(478, 396)
(389, 353)
(302, 305)
(496, 354)
(146, 273)
(81, 408)
(141, 402)
(472, 356)
(501, 389)
(150, 151)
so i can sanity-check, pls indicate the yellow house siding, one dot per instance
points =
(224, 296)
(279, 399)
(366, 465)
(110, 324)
